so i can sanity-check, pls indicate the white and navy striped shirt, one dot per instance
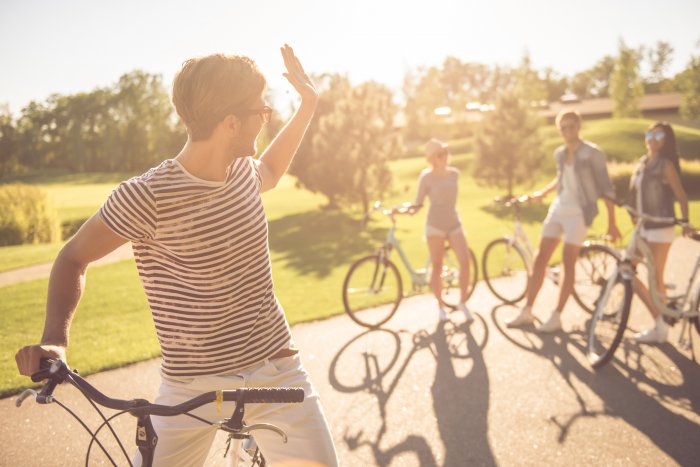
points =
(201, 249)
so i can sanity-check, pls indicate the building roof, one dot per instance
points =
(604, 106)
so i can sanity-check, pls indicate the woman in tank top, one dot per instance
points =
(439, 182)
(654, 187)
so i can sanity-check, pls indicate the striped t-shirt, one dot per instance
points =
(201, 250)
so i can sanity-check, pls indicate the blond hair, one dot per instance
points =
(207, 89)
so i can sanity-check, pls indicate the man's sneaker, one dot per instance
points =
(442, 313)
(553, 324)
(467, 314)
(523, 319)
(655, 335)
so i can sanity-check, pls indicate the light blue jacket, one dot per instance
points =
(592, 174)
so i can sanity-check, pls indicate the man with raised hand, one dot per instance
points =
(200, 240)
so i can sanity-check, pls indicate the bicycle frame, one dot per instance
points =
(520, 236)
(391, 243)
(638, 248)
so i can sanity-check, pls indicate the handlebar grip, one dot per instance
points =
(272, 395)
(44, 370)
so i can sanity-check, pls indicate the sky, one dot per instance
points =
(70, 46)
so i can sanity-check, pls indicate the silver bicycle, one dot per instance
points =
(373, 288)
(612, 312)
(507, 263)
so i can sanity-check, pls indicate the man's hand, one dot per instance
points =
(296, 75)
(28, 357)
(535, 196)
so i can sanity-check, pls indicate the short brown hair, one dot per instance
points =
(568, 114)
(207, 89)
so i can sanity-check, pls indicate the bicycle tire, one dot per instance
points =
(505, 270)
(451, 293)
(695, 321)
(370, 303)
(594, 266)
(608, 322)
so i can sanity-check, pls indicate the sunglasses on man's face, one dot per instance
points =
(657, 135)
(265, 113)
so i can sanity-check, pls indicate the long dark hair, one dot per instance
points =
(669, 150)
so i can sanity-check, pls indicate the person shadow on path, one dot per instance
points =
(462, 402)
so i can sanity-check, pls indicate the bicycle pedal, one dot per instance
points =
(669, 320)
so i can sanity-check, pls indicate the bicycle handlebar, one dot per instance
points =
(511, 200)
(647, 217)
(56, 371)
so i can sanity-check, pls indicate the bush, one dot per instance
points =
(26, 216)
(620, 174)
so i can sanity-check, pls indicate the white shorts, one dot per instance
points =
(184, 441)
(431, 231)
(662, 235)
(573, 227)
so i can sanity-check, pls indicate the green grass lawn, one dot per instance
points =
(311, 250)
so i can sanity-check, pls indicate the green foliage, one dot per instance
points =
(690, 177)
(344, 155)
(626, 88)
(689, 81)
(8, 142)
(129, 126)
(508, 145)
(26, 216)
(594, 82)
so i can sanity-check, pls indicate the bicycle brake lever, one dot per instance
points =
(26, 393)
(263, 426)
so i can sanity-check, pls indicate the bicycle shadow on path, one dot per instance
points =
(642, 390)
(458, 398)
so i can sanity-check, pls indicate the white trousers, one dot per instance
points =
(185, 441)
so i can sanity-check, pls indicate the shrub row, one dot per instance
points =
(620, 174)
(26, 216)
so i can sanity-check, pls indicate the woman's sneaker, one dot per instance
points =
(442, 314)
(553, 324)
(467, 314)
(655, 335)
(523, 319)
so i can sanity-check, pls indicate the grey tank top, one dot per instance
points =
(442, 191)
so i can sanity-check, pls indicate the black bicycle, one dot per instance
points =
(54, 372)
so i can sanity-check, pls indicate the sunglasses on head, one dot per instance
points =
(657, 135)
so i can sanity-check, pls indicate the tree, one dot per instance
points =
(689, 80)
(659, 57)
(345, 155)
(594, 82)
(626, 88)
(508, 145)
(8, 142)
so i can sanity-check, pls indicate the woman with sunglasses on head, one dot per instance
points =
(654, 187)
(439, 182)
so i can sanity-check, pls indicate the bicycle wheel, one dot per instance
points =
(372, 291)
(594, 266)
(450, 277)
(609, 320)
(505, 270)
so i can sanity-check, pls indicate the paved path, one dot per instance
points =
(41, 271)
(421, 394)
